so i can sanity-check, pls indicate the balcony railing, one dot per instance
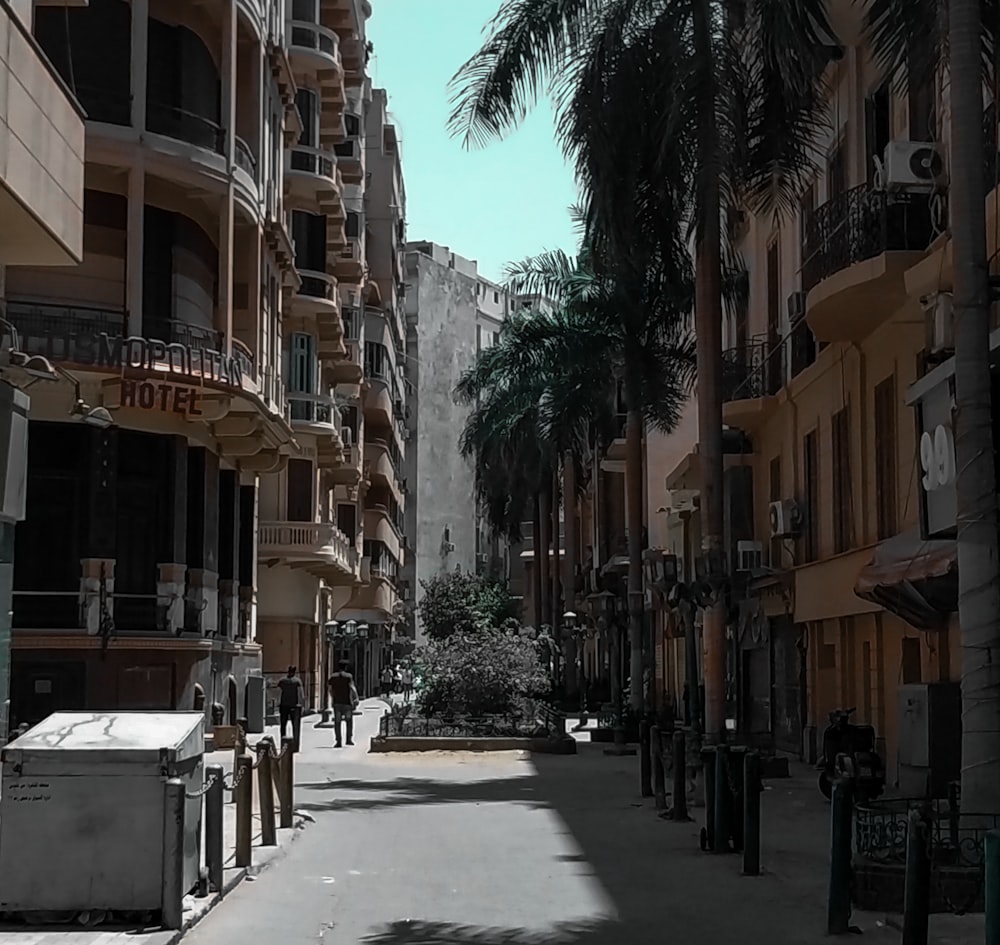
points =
(245, 159)
(186, 126)
(41, 325)
(322, 539)
(317, 285)
(313, 36)
(313, 408)
(111, 106)
(349, 150)
(313, 161)
(757, 369)
(861, 224)
(176, 332)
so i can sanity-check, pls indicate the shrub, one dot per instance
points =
(459, 602)
(484, 673)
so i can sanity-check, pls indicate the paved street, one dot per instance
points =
(511, 850)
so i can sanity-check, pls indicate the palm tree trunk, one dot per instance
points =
(536, 563)
(542, 546)
(569, 570)
(708, 329)
(633, 503)
(978, 552)
(555, 571)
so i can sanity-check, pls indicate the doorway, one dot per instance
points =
(39, 688)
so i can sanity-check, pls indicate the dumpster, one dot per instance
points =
(81, 810)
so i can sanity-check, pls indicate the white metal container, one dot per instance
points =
(81, 815)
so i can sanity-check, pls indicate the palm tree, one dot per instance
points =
(911, 38)
(563, 367)
(737, 111)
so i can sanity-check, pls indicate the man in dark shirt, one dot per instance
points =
(344, 697)
(290, 703)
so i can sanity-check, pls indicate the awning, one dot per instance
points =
(914, 578)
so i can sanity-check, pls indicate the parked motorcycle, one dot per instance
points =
(849, 752)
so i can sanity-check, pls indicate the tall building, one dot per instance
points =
(452, 312)
(41, 203)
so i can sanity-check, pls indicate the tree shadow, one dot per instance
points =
(597, 932)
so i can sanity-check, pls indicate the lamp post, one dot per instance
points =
(581, 632)
(606, 604)
(331, 633)
(660, 571)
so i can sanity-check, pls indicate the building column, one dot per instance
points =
(140, 56)
(226, 237)
(202, 601)
(97, 566)
(173, 536)
(134, 252)
(227, 74)
(229, 548)
(247, 561)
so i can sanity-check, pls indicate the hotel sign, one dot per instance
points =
(119, 354)
(167, 398)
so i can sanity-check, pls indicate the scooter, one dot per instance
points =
(849, 752)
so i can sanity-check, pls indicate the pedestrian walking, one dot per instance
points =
(407, 684)
(344, 696)
(386, 680)
(290, 702)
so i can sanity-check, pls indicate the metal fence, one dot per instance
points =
(532, 720)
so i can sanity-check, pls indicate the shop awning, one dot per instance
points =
(914, 578)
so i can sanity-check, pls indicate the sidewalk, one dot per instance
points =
(314, 745)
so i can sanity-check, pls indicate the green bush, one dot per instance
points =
(459, 602)
(484, 673)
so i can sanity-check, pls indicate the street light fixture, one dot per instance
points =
(606, 606)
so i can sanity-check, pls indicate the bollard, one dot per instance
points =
(708, 775)
(286, 777)
(917, 885)
(659, 779)
(992, 887)
(680, 808)
(214, 820)
(751, 814)
(265, 793)
(645, 762)
(172, 890)
(838, 911)
(243, 791)
(723, 801)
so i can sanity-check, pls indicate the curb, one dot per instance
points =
(238, 875)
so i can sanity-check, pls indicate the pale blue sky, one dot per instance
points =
(504, 202)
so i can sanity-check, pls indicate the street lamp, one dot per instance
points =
(331, 632)
(581, 632)
(606, 606)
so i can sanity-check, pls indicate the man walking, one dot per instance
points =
(386, 679)
(344, 696)
(290, 703)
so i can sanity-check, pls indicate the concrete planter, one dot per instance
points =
(557, 746)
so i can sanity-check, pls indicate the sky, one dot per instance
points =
(495, 204)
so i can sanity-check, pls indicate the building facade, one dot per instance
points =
(452, 313)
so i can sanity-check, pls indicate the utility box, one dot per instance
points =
(81, 814)
(930, 738)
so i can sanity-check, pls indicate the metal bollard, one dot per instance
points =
(172, 890)
(838, 910)
(243, 791)
(708, 775)
(680, 808)
(214, 820)
(751, 814)
(265, 793)
(723, 801)
(645, 762)
(286, 778)
(992, 887)
(659, 779)
(917, 886)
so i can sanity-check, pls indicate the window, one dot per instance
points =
(810, 472)
(304, 10)
(300, 490)
(347, 520)
(806, 206)
(302, 373)
(309, 238)
(878, 127)
(911, 669)
(352, 126)
(922, 99)
(377, 362)
(885, 458)
(307, 103)
(842, 505)
(774, 495)
(352, 226)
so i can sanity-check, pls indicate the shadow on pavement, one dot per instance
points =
(446, 933)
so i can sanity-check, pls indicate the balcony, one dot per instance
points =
(181, 125)
(318, 547)
(349, 261)
(379, 408)
(384, 465)
(318, 299)
(379, 526)
(245, 160)
(857, 248)
(110, 106)
(313, 177)
(616, 448)
(316, 414)
(752, 375)
(350, 470)
(348, 370)
(314, 50)
(350, 159)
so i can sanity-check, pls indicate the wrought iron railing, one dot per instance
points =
(174, 122)
(174, 331)
(533, 720)
(860, 224)
(42, 327)
(313, 161)
(108, 105)
(753, 370)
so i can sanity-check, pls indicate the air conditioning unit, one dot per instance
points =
(785, 518)
(682, 500)
(940, 322)
(913, 166)
(796, 307)
(749, 555)
(346, 436)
